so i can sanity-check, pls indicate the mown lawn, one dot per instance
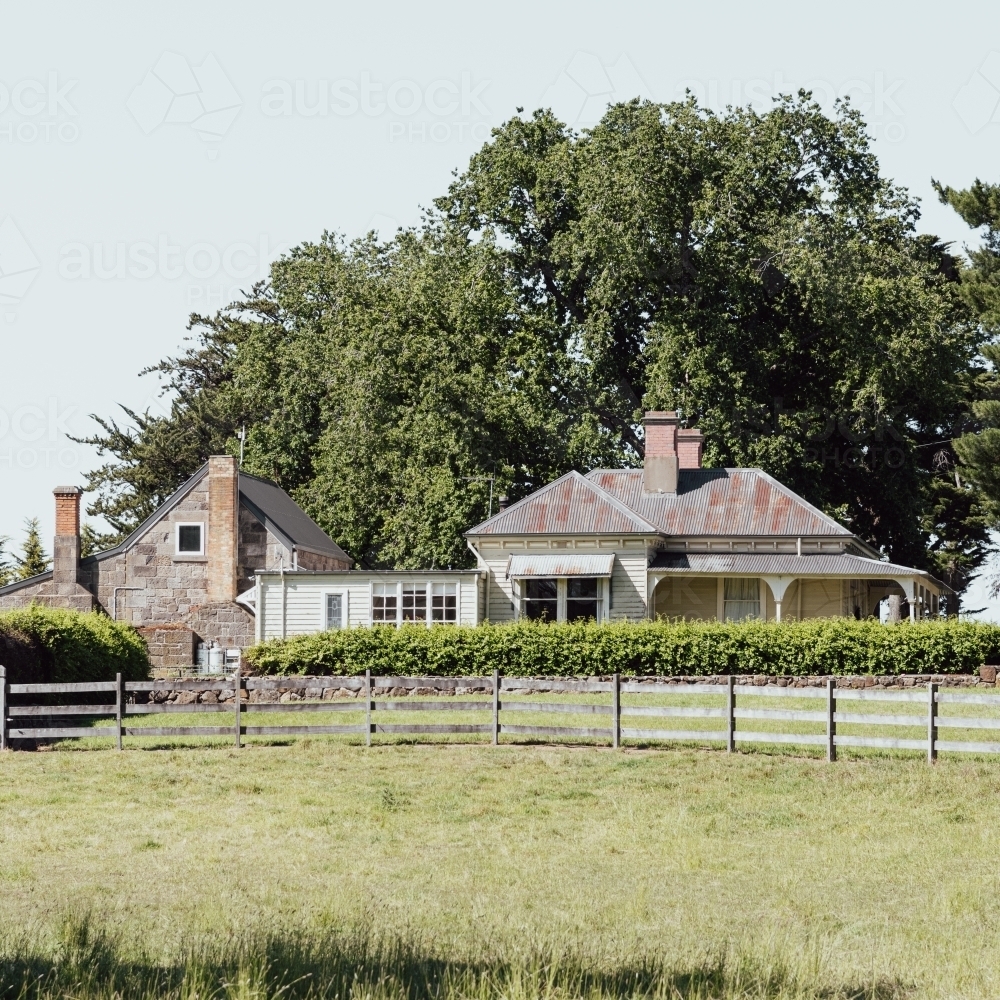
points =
(461, 870)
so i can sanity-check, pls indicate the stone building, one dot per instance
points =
(187, 574)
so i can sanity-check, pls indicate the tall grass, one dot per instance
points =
(85, 962)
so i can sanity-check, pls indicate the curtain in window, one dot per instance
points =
(741, 599)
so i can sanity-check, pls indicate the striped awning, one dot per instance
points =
(568, 564)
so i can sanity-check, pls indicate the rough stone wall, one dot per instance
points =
(253, 550)
(22, 598)
(170, 645)
(314, 560)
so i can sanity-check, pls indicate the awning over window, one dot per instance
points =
(568, 564)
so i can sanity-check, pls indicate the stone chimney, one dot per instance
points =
(689, 447)
(223, 525)
(659, 467)
(66, 548)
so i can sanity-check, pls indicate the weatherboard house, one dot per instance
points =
(230, 559)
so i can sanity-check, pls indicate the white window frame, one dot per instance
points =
(344, 616)
(562, 588)
(427, 585)
(431, 584)
(177, 539)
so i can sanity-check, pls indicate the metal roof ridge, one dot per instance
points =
(13, 588)
(619, 506)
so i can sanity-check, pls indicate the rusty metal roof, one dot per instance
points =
(569, 506)
(564, 564)
(720, 502)
(728, 502)
(768, 564)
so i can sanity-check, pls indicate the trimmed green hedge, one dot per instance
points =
(821, 646)
(46, 645)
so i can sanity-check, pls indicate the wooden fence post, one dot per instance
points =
(616, 711)
(730, 714)
(119, 707)
(368, 708)
(931, 722)
(496, 708)
(237, 707)
(831, 719)
(3, 708)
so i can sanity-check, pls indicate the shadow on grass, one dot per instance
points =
(86, 964)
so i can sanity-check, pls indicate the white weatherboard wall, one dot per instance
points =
(628, 574)
(295, 603)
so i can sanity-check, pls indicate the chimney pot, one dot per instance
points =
(504, 502)
(690, 442)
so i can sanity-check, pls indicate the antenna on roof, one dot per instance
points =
(242, 435)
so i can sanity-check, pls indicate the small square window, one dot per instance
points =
(444, 602)
(190, 539)
(414, 603)
(384, 603)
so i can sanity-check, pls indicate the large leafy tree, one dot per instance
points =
(754, 271)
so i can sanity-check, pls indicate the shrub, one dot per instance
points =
(40, 644)
(820, 646)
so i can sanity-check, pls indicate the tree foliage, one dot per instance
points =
(33, 558)
(754, 271)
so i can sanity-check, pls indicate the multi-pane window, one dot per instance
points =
(541, 600)
(334, 611)
(444, 602)
(741, 599)
(414, 602)
(582, 598)
(384, 602)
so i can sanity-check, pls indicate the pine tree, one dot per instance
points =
(33, 559)
(7, 571)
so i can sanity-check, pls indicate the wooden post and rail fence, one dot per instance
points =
(737, 703)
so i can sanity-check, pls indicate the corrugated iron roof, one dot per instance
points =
(282, 515)
(720, 502)
(571, 505)
(768, 564)
(565, 564)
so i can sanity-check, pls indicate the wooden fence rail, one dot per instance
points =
(381, 699)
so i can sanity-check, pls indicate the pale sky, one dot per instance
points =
(153, 158)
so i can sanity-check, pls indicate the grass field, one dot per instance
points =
(455, 870)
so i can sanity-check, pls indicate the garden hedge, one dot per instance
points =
(821, 646)
(45, 645)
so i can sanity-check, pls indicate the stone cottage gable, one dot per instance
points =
(179, 575)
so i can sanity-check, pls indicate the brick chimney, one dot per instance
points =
(668, 449)
(659, 467)
(690, 442)
(223, 525)
(66, 548)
